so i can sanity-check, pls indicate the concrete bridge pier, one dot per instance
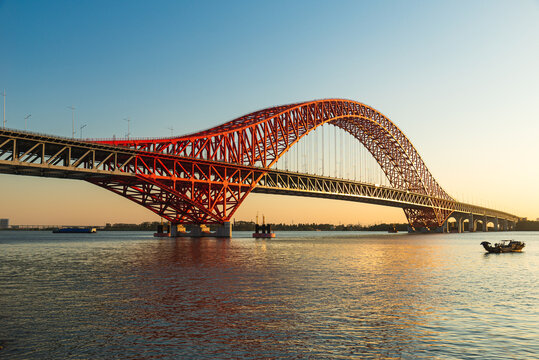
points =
(223, 230)
(471, 224)
(474, 223)
(459, 221)
(459, 224)
(173, 230)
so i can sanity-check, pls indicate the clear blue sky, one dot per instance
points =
(460, 78)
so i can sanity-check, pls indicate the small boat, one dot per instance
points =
(504, 246)
(75, 230)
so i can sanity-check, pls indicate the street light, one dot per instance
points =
(26, 120)
(82, 127)
(72, 120)
(4, 95)
(128, 127)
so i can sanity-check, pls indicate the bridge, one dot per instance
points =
(335, 148)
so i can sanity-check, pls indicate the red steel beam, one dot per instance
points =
(262, 137)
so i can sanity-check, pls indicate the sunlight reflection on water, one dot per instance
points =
(302, 295)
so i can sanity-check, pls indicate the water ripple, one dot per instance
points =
(303, 295)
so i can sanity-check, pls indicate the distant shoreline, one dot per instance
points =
(249, 226)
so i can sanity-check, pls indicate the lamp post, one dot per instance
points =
(82, 127)
(128, 127)
(4, 95)
(72, 120)
(26, 121)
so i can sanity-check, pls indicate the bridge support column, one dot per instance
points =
(445, 227)
(196, 231)
(471, 224)
(505, 225)
(173, 230)
(224, 230)
(459, 224)
(485, 220)
(495, 221)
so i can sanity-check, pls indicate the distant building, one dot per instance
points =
(537, 219)
(4, 223)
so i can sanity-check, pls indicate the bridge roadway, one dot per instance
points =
(25, 153)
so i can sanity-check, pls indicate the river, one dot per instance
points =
(305, 295)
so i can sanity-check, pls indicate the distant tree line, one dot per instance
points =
(526, 225)
(523, 225)
(250, 225)
(145, 226)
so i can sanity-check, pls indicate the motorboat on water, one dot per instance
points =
(504, 246)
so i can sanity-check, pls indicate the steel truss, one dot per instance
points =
(291, 183)
(204, 177)
(260, 138)
(182, 190)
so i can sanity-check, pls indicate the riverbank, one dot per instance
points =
(249, 226)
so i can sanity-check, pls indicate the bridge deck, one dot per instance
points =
(25, 153)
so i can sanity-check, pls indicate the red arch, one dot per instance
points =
(262, 137)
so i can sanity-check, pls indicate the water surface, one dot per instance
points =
(302, 295)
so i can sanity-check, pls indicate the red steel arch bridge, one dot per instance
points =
(332, 148)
